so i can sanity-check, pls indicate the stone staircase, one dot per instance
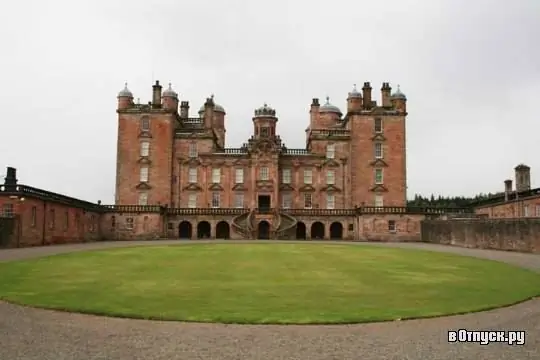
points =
(243, 224)
(284, 226)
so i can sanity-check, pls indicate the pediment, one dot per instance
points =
(331, 163)
(215, 187)
(143, 186)
(307, 188)
(265, 185)
(192, 187)
(145, 134)
(239, 187)
(379, 188)
(144, 160)
(378, 137)
(286, 187)
(331, 188)
(193, 161)
(379, 163)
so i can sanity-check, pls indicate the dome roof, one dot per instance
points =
(217, 107)
(170, 92)
(398, 94)
(265, 110)
(125, 92)
(355, 93)
(329, 108)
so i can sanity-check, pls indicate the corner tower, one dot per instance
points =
(378, 138)
(145, 148)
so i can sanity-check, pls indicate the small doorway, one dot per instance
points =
(223, 230)
(184, 230)
(263, 230)
(204, 230)
(264, 203)
(300, 231)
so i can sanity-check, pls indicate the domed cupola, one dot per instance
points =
(125, 92)
(265, 111)
(170, 93)
(355, 93)
(329, 108)
(398, 94)
(217, 108)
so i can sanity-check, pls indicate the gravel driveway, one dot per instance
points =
(27, 333)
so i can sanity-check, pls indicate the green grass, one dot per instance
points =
(266, 283)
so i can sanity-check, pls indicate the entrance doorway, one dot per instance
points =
(300, 231)
(264, 203)
(184, 230)
(263, 230)
(223, 230)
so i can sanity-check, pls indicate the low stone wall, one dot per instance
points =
(501, 234)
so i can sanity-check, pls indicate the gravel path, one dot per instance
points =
(34, 334)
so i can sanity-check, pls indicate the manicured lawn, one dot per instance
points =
(265, 283)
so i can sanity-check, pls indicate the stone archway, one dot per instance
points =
(317, 231)
(263, 230)
(185, 230)
(204, 230)
(301, 231)
(223, 230)
(336, 231)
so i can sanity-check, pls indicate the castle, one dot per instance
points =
(177, 179)
(167, 157)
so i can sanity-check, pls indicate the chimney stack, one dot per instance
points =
(10, 181)
(209, 112)
(507, 189)
(386, 94)
(366, 94)
(156, 95)
(184, 109)
(314, 113)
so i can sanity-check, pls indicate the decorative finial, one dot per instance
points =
(398, 88)
(212, 96)
(138, 101)
(327, 100)
(125, 85)
(170, 86)
(265, 105)
(354, 87)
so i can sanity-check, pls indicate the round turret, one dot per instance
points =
(265, 111)
(329, 108)
(125, 92)
(170, 92)
(398, 95)
(355, 93)
(217, 108)
(125, 98)
(170, 99)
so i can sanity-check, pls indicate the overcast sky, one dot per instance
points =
(470, 70)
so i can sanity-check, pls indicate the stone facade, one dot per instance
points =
(501, 234)
(168, 158)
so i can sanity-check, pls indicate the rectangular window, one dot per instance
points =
(378, 151)
(330, 151)
(192, 175)
(52, 218)
(308, 201)
(264, 131)
(330, 177)
(308, 176)
(34, 215)
(66, 220)
(378, 126)
(378, 176)
(239, 200)
(145, 124)
(145, 148)
(8, 210)
(538, 210)
(239, 176)
(130, 223)
(526, 210)
(379, 201)
(192, 201)
(286, 176)
(92, 223)
(392, 225)
(264, 173)
(330, 201)
(216, 176)
(193, 153)
(216, 197)
(286, 201)
(113, 221)
(143, 198)
(144, 174)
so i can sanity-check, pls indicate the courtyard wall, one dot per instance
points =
(521, 234)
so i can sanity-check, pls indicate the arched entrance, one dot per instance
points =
(204, 230)
(336, 231)
(300, 231)
(223, 230)
(263, 230)
(184, 230)
(317, 231)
